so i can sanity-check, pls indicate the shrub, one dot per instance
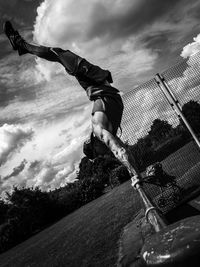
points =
(119, 176)
(10, 234)
(70, 198)
(3, 211)
(92, 188)
(29, 210)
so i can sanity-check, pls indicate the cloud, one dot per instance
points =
(118, 19)
(49, 176)
(128, 38)
(20, 11)
(142, 106)
(17, 170)
(25, 96)
(191, 48)
(52, 162)
(13, 138)
(129, 62)
(125, 56)
(184, 78)
(113, 19)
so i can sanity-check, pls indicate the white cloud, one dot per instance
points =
(17, 170)
(126, 58)
(142, 106)
(67, 16)
(53, 154)
(186, 86)
(12, 139)
(192, 48)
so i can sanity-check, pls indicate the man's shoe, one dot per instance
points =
(14, 37)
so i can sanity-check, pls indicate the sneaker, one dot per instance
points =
(14, 37)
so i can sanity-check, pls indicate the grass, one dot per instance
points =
(89, 236)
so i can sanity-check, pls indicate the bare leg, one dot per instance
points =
(102, 128)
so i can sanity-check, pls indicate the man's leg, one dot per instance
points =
(48, 53)
(19, 44)
(68, 59)
(102, 129)
(44, 52)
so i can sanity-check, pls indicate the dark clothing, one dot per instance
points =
(91, 77)
(113, 107)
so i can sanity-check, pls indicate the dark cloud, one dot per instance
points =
(160, 42)
(193, 9)
(155, 41)
(15, 82)
(34, 164)
(34, 168)
(138, 15)
(179, 27)
(7, 95)
(21, 12)
(13, 120)
(17, 170)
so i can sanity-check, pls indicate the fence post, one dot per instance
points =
(174, 103)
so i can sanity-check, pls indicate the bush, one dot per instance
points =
(92, 188)
(146, 155)
(3, 211)
(77, 194)
(119, 176)
(101, 166)
(143, 155)
(70, 198)
(29, 210)
(33, 204)
(10, 234)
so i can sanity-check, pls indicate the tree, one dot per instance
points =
(101, 167)
(3, 210)
(191, 110)
(32, 207)
(85, 169)
(143, 152)
(119, 175)
(160, 129)
(91, 189)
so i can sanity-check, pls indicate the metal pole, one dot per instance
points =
(151, 213)
(175, 105)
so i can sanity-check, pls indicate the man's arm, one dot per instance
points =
(100, 126)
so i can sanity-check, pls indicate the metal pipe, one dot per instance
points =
(151, 213)
(174, 103)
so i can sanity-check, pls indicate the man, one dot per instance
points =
(107, 108)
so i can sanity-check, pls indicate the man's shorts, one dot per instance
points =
(113, 107)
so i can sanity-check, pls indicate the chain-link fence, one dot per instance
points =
(154, 132)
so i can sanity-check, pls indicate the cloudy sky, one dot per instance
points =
(44, 114)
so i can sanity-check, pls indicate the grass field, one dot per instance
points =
(89, 236)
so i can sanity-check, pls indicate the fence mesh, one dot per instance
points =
(154, 133)
(184, 79)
